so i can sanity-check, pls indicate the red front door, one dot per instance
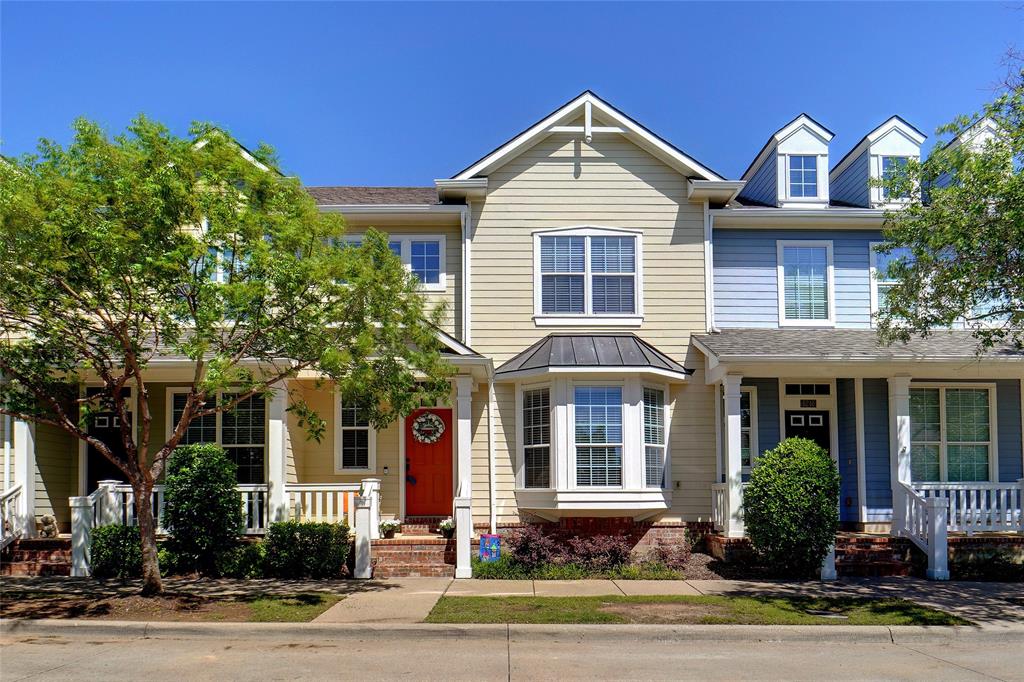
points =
(428, 462)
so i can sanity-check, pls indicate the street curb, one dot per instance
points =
(866, 634)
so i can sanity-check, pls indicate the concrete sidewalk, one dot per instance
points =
(409, 600)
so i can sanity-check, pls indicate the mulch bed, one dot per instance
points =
(178, 607)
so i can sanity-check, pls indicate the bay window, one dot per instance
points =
(805, 283)
(592, 272)
(537, 438)
(952, 433)
(654, 438)
(598, 435)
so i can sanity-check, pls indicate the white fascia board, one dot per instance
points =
(640, 135)
(722, 191)
(804, 121)
(472, 188)
(894, 122)
(673, 377)
(370, 209)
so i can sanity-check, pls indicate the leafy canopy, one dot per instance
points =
(959, 241)
(119, 254)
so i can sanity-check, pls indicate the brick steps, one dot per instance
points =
(410, 556)
(32, 557)
(872, 556)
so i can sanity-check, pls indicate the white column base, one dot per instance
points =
(463, 537)
(363, 566)
(81, 536)
(828, 566)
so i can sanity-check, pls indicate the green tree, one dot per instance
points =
(961, 234)
(116, 252)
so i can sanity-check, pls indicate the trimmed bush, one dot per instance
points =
(791, 507)
(298, 549)
(673, 556)
(531, 548)
(116, 552)
(246, 560)
(203, 508)
(599, 552)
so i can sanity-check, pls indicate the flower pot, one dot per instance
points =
(389, 534)
(448, 533)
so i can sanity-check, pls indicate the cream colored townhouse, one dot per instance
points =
(613, 315)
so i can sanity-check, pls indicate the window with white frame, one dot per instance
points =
(805, 283)
(241, 432)
(654, 437)
(803, 176)
(537, 438)
(881, 280)
(890, 166)
(598, 435)
(951, 433)
(355, 442)
(587, 272)
(421, 255)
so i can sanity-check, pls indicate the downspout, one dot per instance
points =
(709, 282)
(467, 305)
(7, 451)
(491, 461)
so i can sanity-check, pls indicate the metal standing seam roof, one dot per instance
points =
(845, 345)
(591, 350)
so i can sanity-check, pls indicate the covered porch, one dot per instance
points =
(927, 436)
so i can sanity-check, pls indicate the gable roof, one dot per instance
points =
(893, 121)
(802, 119)
(347, 195)
(634, 131)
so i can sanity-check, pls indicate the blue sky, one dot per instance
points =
(401, 94)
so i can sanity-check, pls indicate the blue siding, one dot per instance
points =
(767, 412)
(1011, 464)
(851, 186)
(877, 472)
(763, 184)
(846, 414)
(746, 279)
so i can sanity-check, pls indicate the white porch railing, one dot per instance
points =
(330, 502)
(10, 525)
(979, 507)
(923, 521)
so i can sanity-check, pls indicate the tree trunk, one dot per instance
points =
(151, 582)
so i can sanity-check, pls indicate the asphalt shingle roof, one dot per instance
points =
(843, 344)
(591, 350)
(347, 195)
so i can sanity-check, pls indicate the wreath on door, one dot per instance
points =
(427, 428)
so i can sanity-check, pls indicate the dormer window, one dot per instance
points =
(803, 176)
(587, 275)
(890, 166)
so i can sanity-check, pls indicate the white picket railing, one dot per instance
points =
(979, 507)
(923, 521)
(124, 504)
(719, 505)
(10, 524)
(330, 502)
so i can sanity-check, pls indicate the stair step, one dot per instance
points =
(35, 568)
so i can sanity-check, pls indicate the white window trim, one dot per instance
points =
(993, 428)
(666, 459)
(878, 198)
(218, 417)
(589, 318)
(817, 185)
(406, 254)
(754, 451)
(371, 459)
(780, 246)
(520, 437)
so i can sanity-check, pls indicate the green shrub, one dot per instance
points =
(646, 570)
(246, 560)
(297, 549)
(116, 552)
(791, 507)
(203, 508)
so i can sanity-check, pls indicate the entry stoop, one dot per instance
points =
(875, 556)
(36, 557)
(428, 556)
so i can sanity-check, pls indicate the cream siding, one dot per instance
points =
(56, 473)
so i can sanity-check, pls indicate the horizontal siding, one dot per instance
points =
(746, 278)
(851, 186)
(1011, 459)
(877, 472)
(763, 186)
(564, 182)
(56, 473)
(846, 412)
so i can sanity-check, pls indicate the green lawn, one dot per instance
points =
(298, 609)
(683, 609)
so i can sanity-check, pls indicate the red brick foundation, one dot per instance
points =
(642, 534)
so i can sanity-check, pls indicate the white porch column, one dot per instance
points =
(363, 567)
(81, 535)
(463, 537)
(733, 456)
(25, 474)
(899, 441)
(371, 489)
(277, 431)
(464, 415)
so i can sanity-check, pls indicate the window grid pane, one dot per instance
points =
(425, 261)
(745, 454)
(803, 176)
(199, 430)
(612, 254)
(805, 279)
(355, 436)
(562, 294)
(613, 294)
(243, 436)
(562, 254)
(598, 435)
(536, 438)
(654, 438)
